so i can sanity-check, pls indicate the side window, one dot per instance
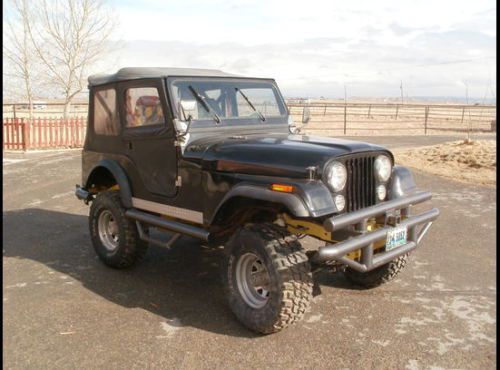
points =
(143, 107)
(105, 117)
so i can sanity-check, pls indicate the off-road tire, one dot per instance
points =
(130, 248)
(289, 272)
(378, 276)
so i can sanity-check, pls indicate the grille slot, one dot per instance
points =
(360, 183)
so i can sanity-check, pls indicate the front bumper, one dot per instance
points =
(365, 239)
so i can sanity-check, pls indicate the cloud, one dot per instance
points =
(321, 66)
(400, 30)
(315, 47)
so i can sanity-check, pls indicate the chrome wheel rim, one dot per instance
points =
(108, 230)
(253, 280)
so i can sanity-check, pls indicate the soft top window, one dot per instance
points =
(143, 107)
(105, 116)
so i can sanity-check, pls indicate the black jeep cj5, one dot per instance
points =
(218, 157)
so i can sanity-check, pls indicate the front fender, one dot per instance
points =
(309, 199)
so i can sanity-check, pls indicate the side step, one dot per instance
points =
(174, 226)
(144, 236)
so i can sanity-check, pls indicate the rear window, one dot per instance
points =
(105, 117)
(143, 107)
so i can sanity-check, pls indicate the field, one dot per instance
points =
(335, 118)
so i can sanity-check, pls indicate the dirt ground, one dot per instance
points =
(63, 309)
(472, 162)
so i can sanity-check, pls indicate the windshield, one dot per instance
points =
(227, 101)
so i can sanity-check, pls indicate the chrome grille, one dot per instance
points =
(360, 187)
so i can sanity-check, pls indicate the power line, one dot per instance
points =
(459, 61)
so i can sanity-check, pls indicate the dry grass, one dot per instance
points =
(473, 162)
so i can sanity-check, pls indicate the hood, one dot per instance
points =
(284, 155)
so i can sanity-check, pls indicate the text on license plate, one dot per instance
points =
(396, 237)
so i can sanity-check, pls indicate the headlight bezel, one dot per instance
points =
(327, 175)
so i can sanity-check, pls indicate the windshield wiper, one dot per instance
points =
(251, 105)
(204, 103)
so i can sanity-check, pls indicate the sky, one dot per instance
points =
(319, 48)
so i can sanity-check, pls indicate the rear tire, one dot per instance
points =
(114, 236)
(378, 276)
(267, 277)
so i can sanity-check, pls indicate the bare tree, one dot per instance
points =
(69, 38)
(18, 49)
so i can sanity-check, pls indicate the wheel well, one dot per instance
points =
(238, 211)
(100, 179)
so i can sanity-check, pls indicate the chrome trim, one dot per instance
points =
(163, 209)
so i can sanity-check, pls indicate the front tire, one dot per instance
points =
(114, 236)
(267, 277)
(378, 276)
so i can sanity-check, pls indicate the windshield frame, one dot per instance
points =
(227, 123)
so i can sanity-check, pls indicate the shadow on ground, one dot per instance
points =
(182, 283)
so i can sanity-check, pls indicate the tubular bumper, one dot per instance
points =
(83, 194)
(366, 239)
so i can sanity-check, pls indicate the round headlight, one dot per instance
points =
(381, 192)
(336, 176)
(383, 168)
(339, 201)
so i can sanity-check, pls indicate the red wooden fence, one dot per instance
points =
(42, 133)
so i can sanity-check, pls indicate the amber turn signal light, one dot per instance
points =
(282, 188)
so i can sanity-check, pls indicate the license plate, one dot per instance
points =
(396, 238)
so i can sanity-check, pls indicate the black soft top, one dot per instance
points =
(135, 73)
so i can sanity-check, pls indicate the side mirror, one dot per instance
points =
(306, 115)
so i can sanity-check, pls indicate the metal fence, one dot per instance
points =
(387, 119)
(42, 109)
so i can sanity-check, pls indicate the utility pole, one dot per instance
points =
(467, 102)
(345, 109)
(401, 87)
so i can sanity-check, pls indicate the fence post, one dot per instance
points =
(397, 109)
(463, 113)
(6, 137)
(77, 141)
(40, 137)
(72, 131)
(324, 112)
(14, 110)
(426, 117)
(45, 133)
(26, 133)
(16, 140)
(345, 118)
(369, 110)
